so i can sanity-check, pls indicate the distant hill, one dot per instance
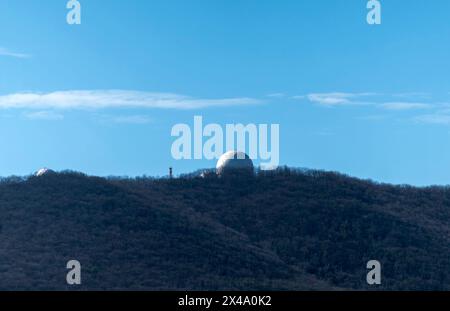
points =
(284, 230)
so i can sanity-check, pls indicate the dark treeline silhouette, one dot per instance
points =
(281, 230)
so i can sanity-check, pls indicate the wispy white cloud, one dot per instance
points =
(44, 115)
(405, 106)
(337, 98)
(276, 95)
(437, 118)
(423, 95)
(98, 99)
(330, 99)
(341, 98)
(298, 97)
(6, 52)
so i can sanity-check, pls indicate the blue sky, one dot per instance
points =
(102, 97)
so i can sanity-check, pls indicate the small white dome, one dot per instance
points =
(234, 161)
(42, 172)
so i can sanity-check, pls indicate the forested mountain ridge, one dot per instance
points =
(283, 230)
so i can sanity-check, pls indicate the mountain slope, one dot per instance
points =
(285, 230)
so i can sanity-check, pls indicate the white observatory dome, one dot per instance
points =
(234, 162)
(43, 171)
